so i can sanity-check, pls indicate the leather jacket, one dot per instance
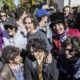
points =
(6, 73)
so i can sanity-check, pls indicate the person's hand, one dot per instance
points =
(49, 58)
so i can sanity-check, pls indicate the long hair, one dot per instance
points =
(37, 44)
(74, 42)
(33, 20)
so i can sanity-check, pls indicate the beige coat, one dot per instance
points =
(6, 73)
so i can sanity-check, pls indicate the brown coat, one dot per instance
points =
(6, 73)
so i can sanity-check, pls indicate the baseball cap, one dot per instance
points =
(41, 12)
(10, 22)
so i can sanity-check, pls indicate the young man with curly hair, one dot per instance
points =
(13, 66)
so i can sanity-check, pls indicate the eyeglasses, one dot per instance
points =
(70, 50)
(3, 15)
(8, 27)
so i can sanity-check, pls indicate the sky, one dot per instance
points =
(73, 2)
(17, 2)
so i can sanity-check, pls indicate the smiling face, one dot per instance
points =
(3, 16)
(29, 25)
(18, 59)
(69, 52)
(58, 28)
(11, 30)
(71, 47)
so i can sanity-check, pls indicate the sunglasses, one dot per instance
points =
(70, 50)
(8, 27)
(3, 15)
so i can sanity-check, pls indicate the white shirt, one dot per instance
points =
(18, 40)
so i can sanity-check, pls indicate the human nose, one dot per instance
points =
(66, 52)
(27, 24)
(57, 26)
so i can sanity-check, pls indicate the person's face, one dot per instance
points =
(69, 52)
(23, 15)
(29, 25)
(38, 54)
(45, 18)
(66, 11)
(53, 10)
(59, 28)
(11, 30)
(3, 16)
(18, 59)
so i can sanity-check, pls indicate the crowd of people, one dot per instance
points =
(43, 45)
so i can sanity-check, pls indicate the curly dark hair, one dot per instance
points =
(36, 44)
(9, 53)
(74, 42)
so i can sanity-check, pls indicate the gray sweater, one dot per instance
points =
(40, 35)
